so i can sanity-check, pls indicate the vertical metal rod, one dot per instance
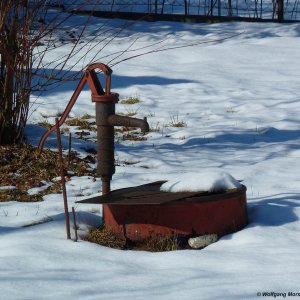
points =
(75, 225)
(105, 186)
(63, 181)
(105, 190)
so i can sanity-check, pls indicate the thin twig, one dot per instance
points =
(69, 150)
(161, 49)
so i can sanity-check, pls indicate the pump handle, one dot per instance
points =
(98, 94)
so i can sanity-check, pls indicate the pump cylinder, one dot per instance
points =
(105, 137)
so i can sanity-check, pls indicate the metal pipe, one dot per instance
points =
(105, 139)
(105, 185)
(66, 112)
(116, 120)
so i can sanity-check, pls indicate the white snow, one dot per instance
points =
(239, 98)
(211, 181)
(7, 187)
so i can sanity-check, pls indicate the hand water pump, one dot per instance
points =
(106, 119)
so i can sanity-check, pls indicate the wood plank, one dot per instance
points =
(140, 195)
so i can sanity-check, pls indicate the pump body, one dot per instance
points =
(106, 119)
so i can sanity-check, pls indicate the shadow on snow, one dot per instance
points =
(68, 81)
(276, 210)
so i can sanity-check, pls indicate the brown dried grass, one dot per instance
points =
(156, 243)
(21, 167)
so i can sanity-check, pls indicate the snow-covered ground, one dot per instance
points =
(238, 99)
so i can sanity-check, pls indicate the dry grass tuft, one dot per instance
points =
(131, 100)
(87, 116)
(81, 123)
(157, 243)
(133, 137)
(176, 122)
(160, 244)
(46, 124)
(106, 238)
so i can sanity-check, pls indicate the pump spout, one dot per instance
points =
(116, 120)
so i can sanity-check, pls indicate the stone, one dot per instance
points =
(202, 241)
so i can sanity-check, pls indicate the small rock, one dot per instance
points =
(202, 241)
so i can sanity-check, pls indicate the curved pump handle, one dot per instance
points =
(93, 81)
(103, 67)
(98, 94)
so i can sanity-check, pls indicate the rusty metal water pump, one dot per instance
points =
(106, 119)
(141, 212)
